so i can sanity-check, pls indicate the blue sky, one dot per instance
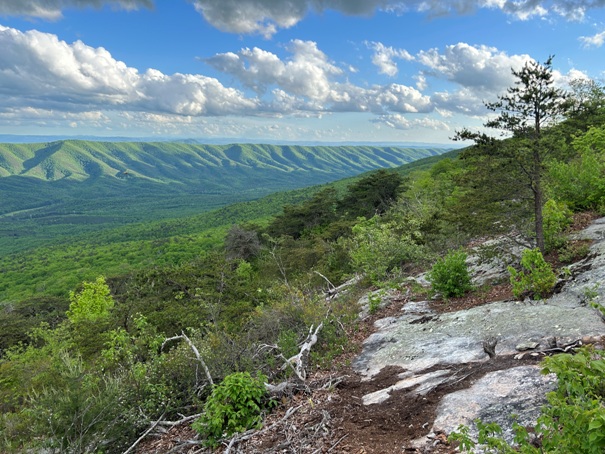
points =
(279, 70)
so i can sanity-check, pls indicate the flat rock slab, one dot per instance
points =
(416, 343)
(420, 338)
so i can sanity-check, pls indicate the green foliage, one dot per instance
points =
(235, 405)
(18, 319)
(528, 109)
(92, 303)
(536, 276)
(55, 191)
(371, 195)
(580, 182)
(313, 214)
(491, 441)
(557, 217)
(374, 300)
(82, 414)
(378, 247)
(572, 251)
(450, 276)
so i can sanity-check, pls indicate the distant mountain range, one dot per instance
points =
(16, 138)
(194, 168)
(76, 186)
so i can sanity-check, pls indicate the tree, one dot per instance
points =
(296, 220)
(92, 303)
(371, 195)
(526, 111)
(241, 243)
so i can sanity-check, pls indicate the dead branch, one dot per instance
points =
(284, 388)
(338, 442)
(184, 444)
(180, 421)
(250, 433)
(567, 348)
(333, 292)
(147, 432)
(302, 358)
(196, 352)
(330, 285)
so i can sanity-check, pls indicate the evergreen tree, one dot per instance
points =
(526, 111)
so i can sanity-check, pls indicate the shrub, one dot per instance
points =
(450, 275)
(233, 406)
(92, 303)
(377, 247)
(536, 277)
(557, 217)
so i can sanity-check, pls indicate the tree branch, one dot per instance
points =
(153, 426)
(196, 352)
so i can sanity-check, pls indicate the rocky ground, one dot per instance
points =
(421, 369)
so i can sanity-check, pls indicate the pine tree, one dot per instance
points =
(526, 112)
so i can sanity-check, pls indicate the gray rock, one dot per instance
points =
(519, 391)
(529, 345)
(457, 337)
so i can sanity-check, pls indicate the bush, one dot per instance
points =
(92, 303)
(233, 406)
(450, 275)
(377, 248)
(557, 217)
(536, 276)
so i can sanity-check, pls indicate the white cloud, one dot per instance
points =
(397, 121)
(481, 67)
(384, 58)
(46, 80)
(309, 81)
(463, 101)
(265, 17)
(51, 9)
(593, 41)
(38, 70)
(307, 73)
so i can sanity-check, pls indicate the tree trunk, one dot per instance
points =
(538, 199)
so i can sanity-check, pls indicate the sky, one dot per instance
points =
(395, 71)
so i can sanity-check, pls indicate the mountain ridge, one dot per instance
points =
(175, 162)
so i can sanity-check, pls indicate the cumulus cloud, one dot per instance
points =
(265, 17)
(593, 41)
(309, 81)
(397, 121)
(39, 70)
(384, 58)
(484, 68)
(307, 73)
(51, 9)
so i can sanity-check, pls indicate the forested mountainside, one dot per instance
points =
(60, 189)
(210, 341)
(199, 168)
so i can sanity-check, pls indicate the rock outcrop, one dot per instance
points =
(430, 344)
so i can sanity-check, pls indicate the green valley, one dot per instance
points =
(58, 190)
